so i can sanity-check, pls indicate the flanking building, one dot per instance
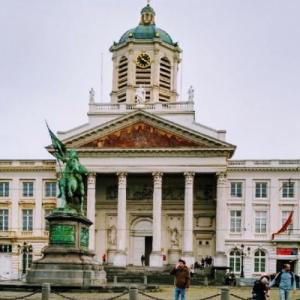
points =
(159, 183)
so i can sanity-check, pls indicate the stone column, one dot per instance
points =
(156, 256)
(188, 218)
(91, 208)
(120, 257)
(221, 220)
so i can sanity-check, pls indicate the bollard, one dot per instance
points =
(224, 293)
(205, 281)
(133, 293)
(145, 280)
(46, 291)
(115, 280)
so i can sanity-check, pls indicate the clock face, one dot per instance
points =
(143, 60)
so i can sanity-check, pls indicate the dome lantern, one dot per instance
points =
(147, 15)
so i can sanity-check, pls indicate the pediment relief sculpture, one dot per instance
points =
(142, 135)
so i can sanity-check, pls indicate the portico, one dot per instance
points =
(152, 213)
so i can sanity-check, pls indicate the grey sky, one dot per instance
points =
(242, 57)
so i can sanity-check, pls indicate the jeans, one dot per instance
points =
(179, 291)
(284, 294)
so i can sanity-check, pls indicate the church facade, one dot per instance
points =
(160, 184)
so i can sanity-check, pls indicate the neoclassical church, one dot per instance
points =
(160, 184)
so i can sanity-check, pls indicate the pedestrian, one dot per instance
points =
(182, 279)
(202, 262)
(192, 270)
(143, 259)
(261, 288)
(285, 279)
(104, 258)
(209, 261)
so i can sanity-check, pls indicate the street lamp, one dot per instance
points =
(26, 250)
(243, 254)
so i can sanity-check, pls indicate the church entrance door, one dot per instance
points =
(141, 241)
(148, 249)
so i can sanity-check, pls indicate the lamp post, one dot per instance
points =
(26, 250)
(243, 254)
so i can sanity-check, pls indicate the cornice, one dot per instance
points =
(154, 152)
(25, 165)
(27, 169)
(263, 169)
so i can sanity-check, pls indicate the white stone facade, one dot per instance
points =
(20, 234)
(159, 184)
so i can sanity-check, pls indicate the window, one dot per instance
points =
(236, 189)
(284, 216)
(50, 189)
(47, 213)
(288, 190)
(27, 219)
(259, 261)
(4, 248)
(28, 189)
(235, 261)
(260, 222)
(261, 189)
(235, 220)
(3, 219)
(4, 189)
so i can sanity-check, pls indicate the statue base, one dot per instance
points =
(67, 260)
(174, 255)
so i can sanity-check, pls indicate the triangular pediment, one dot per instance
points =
(142, 131)
(141, 135)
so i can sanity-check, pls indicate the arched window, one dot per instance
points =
(259, 261)
(235, 261)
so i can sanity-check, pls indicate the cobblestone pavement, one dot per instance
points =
(166, 292)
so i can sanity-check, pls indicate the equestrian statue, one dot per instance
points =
(72, 176)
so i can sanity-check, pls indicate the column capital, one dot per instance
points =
(122, 178)
(222, 177)
(92, 178)
(157, 178)
(189, 177)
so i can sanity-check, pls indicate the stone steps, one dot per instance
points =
(154, 275)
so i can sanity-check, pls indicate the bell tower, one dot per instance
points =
(145, 57)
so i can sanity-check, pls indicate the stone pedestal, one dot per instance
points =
(189, 258)
(174, 255)
(120, 258)
(67, 260)
(110, 255)
(156, 259)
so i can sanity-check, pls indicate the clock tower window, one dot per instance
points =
(122, 72)
(165, 74)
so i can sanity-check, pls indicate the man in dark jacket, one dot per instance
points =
(261, 288)
(182, 279)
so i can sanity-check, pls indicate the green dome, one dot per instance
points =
(146, 32)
